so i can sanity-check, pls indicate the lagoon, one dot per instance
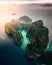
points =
(25, 39)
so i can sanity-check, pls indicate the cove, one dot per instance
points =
(25, 39)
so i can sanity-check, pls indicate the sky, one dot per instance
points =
(35, 1)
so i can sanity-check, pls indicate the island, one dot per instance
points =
(13, 26)
(38, 36)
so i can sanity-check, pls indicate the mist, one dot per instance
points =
(35, 12)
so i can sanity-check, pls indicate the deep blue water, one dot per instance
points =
(11, 54)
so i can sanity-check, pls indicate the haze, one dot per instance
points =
(34, 11)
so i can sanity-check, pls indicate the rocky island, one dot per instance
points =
(13, 26)
(39, 38)
(38, 35)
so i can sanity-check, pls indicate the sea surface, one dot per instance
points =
(11, 54)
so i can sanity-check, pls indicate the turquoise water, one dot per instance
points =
(25, 39)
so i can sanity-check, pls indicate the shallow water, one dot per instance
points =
(25, 39)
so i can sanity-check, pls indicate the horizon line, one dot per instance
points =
(24, 2)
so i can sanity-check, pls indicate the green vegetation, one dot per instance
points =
(13, 26)
(38, 35)
(17, 36)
